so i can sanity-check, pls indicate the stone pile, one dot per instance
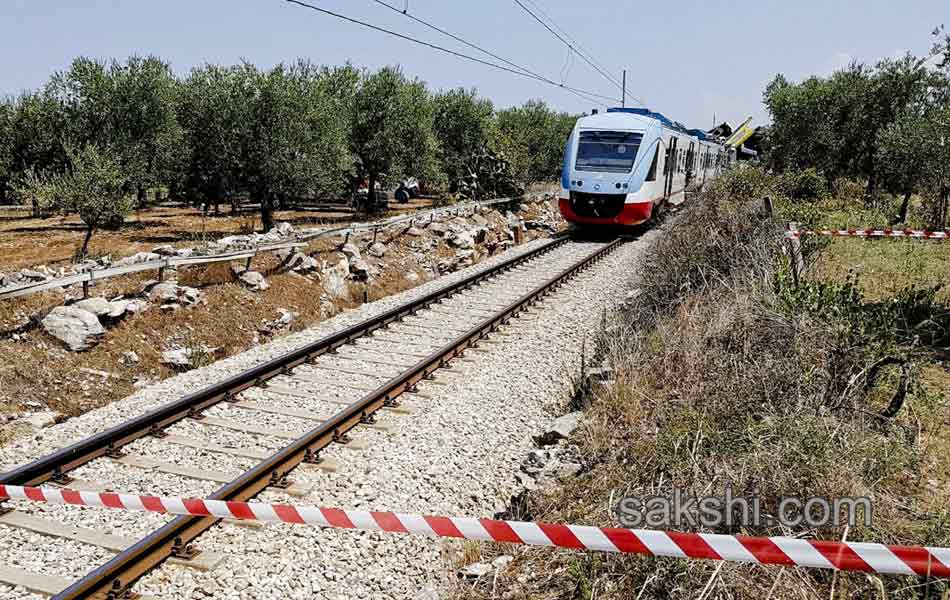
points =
(281, 233)
(79, 326)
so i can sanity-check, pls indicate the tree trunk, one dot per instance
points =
(870, 189)
(85, 243)
(371, 193)
(902, 214)
(218, 192)
(140, 197)
(944, 210)
(267, 212)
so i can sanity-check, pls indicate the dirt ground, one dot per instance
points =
(37, 373)
(27, 242)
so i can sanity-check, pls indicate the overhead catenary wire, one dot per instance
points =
(405, 12)
(567, 34)
(584, 94)
(574, 46)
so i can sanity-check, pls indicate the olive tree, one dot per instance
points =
(213, 111)
(835, 124)
(6, 147)
(93, 187)
(390, 131)
(293, 145)
(129, 107)
(462, 124)
(532, 138)
(920, 144)
(146, 133)
(34, 139)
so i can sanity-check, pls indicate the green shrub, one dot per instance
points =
(912, 317)
(848, 190)
(805, 184)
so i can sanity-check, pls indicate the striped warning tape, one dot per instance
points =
(848, 556)
(873, 233)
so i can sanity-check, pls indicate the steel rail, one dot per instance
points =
(55, 466)
(115, 578)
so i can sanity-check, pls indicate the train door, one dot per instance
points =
(671, 168)
(690, 163)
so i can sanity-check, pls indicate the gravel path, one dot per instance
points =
(477, 419)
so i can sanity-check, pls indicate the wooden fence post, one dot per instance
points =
(795, 252)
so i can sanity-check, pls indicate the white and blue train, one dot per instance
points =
(621, 166)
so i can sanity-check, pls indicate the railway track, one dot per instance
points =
(251, 431)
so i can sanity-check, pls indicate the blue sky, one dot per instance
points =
(686, 58)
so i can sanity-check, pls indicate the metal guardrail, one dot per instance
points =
(300, 241)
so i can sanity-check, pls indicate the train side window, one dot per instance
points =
(666, 160)
(651, 176)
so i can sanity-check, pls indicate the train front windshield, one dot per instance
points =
(607, 151)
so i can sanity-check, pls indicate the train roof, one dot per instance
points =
(614, 120)
(615, 117)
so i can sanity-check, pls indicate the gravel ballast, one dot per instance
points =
(455, 453)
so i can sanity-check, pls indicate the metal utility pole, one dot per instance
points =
(623, 91)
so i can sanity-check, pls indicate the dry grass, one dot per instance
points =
(37, 372)
(724, 377)
(28, 242)
(884, 267)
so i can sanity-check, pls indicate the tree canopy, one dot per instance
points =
(276, 136)
(885, 124)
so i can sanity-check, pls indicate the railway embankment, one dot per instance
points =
(61, 356)
(726, 376)
(452, 446)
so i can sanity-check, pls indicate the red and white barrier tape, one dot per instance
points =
(873, 233)
(848, 556)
